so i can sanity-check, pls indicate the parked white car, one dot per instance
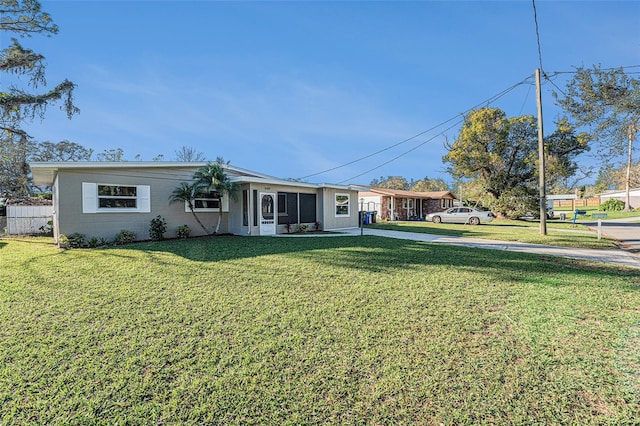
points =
(461, 215)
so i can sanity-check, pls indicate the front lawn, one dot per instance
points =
(335, 330)
(558, 233)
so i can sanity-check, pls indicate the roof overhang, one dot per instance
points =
(44, 173)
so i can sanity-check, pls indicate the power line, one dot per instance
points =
(404, 153)
(485, 102)
(535, 19)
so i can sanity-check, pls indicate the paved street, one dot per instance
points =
(627, 231)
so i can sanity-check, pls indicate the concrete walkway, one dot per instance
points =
(615, 257)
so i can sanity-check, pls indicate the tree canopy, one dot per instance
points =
(23, 74)
(607, 102)
(390, 182)
(500, 153)
(20, 104)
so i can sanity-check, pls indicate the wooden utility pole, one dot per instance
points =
(541, 171)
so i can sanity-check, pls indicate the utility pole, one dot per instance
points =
(541, 170)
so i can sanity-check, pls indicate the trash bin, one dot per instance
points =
(373, 216)
(563, 216)
(362, 218)
(368, 218)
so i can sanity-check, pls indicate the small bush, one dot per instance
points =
(47, 230)
(612, 205)
(158, 228)
(318, 226)
(183, 232)
(74, 240)
(303, 227)
(124, 237)
(94, 242)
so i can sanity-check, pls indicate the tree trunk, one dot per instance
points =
(206, 231)
(219, 215)
(627, 183)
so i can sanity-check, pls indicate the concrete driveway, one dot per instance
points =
(614, 257)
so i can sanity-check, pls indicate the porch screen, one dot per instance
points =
(307, 208)
(287, 207)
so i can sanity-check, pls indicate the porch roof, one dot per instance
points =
(399, 193)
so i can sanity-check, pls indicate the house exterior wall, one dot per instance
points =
(76, 212)
(634, 197)
(333, 221)
(69, 203)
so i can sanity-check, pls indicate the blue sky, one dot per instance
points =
(295, 88)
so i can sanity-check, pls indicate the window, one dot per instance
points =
(208, 203)
(117, 197)
(109, 198)
(446, 203)
(245, 208)
(407, 203)
(255, 207)
(342, 204)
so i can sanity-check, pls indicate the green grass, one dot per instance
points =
(336, 330)
(558, 233)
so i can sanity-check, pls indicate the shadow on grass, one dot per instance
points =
(2, 244)
(378, 254)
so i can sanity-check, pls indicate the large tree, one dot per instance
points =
(15, 176)
(607, 101)
(500, 153)
(17, 151)
(21, 96)
(189, 154)
(428, 185)
(390, 182)
(20, 104)
(62, 151)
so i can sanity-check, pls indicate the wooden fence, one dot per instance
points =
(584, 202)
(23, 220)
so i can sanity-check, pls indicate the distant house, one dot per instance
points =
(634, 195)
(395, 204)
(98, 199)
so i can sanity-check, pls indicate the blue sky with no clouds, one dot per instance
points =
(295, 88)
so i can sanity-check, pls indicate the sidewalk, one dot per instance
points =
(616, 257)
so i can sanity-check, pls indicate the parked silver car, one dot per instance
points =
(461, 215)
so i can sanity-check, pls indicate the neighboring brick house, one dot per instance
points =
(395, 204)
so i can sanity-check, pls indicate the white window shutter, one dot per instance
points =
(89, 197)
(144, 198)
(225, 203)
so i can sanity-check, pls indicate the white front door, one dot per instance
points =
(267, 213)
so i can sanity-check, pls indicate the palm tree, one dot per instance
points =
(189, 192)
(214, 179)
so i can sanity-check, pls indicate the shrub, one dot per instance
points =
(183, 232)
(303, 227)
(158, 228)
(74, 240)
(124, 237)
(318, 226)
(94, 242)
(612, 205)
(47, 230)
